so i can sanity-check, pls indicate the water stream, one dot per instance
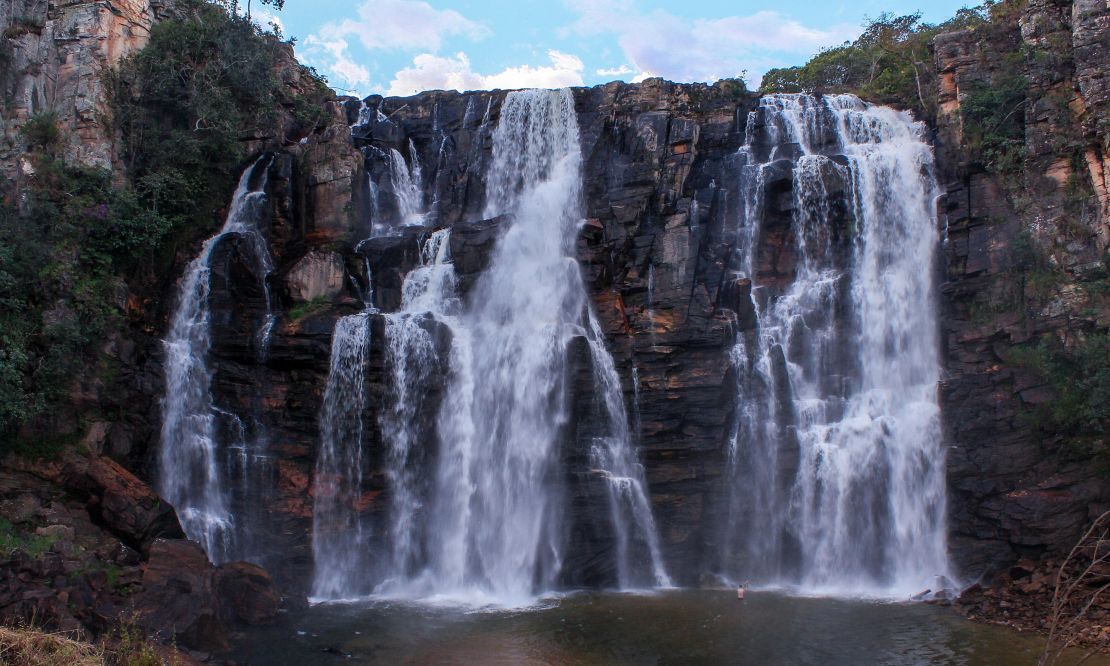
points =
(480, 515)
(837, 468)
(192, 476)
(339, 543)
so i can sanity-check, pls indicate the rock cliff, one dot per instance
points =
(1017, 490)
(53, 58)
(656, 247)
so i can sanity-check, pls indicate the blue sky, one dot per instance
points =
(400, 47)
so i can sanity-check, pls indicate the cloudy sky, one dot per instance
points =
(399, 47)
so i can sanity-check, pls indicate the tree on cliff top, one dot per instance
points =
(890, 63)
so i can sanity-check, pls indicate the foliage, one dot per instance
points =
(41, 131)
(1079, 582)
(185, 102)
(75, 237)
(63, 253)
(12, 540)
(126, 645)
(1079, 376)
(890, 63)
(129, 645)
(32, 647)
(60, 256)
(308, 308)
(994, 122)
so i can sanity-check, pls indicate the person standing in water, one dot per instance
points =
(740, 592)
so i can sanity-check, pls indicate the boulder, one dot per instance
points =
(178, 599)
(317, 275)
(247, 593)
(123, 503)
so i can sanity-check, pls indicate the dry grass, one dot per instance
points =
(31, 647)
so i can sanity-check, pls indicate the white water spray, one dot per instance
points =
(838, 469)
(190, 474)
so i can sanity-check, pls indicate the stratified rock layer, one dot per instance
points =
(1017, 489)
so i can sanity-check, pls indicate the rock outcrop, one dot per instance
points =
(87, 547)
(1016, 490)
(655, 248)
(54, 58)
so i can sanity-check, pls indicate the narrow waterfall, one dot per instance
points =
(629, 506)
(190, 469)
(408, 186)
(837, 466)
(428, 297)
(339, 547)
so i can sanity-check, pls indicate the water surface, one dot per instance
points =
(678, 627)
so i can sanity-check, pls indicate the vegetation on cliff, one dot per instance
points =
(1078, 375)
(75, 242)
(891, 62)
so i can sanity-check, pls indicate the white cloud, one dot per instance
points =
(661, 44)
(333, 58)
(266, 19)
(397, 25)
(403, 24)
(623, 70)
(432, 72)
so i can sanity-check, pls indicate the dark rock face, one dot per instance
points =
(184, 597)
(659, 185)
(126, 506)
(1015, 490)
(247, 592)
(661, 206)
(657, 252)
(89, 557)
(178, 597)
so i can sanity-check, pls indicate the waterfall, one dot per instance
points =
(837, 468)
(477, 513)
(629, 507)
(428, 296)
(338, 544)
(408, 186)
(190, 474)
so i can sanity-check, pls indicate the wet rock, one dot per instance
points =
(391, 258)
(247, 593)
(736, 295)
(472, 244)
(178, 598)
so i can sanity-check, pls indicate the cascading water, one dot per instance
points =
(483, 521)
(339, 547)
(408, 186)
(191, 475)
(837, 466)
(612, 453)
(428, 297)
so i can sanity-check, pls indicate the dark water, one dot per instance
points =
(681, 627)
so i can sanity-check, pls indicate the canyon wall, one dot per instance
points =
(662, 214)
(1016, 488)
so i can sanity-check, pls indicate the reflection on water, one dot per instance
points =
(679, 627)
